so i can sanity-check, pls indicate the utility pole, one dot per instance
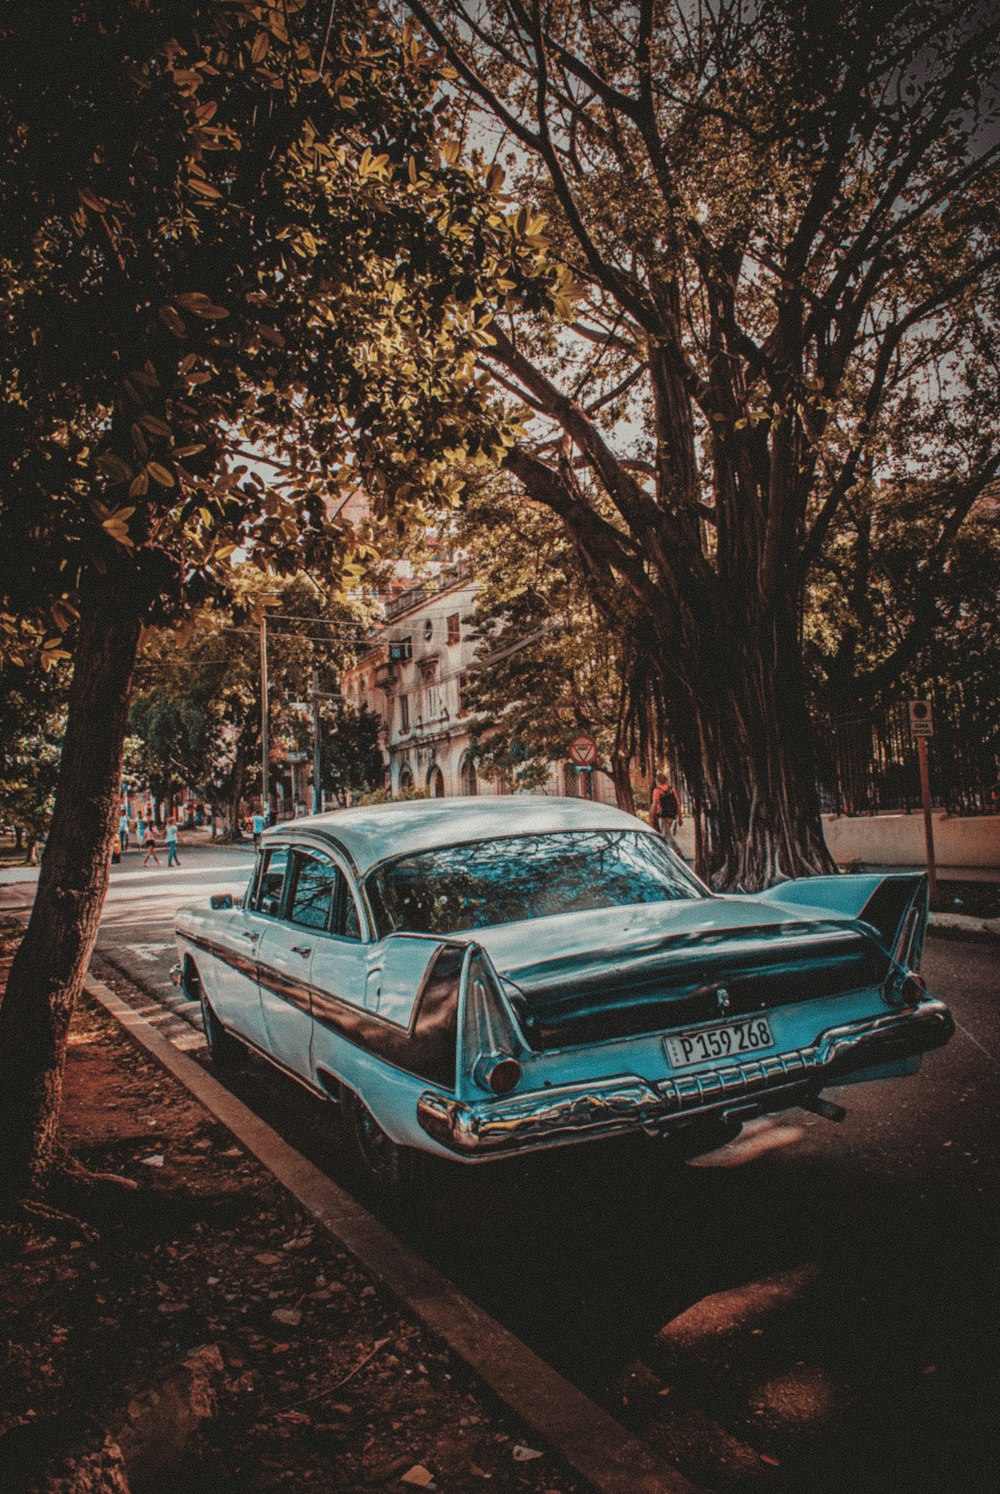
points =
(922, 727)
(925, 795)
(317, 745)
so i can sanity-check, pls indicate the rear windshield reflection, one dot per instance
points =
(519, 877)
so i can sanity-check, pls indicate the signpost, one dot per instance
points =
(922, 727)
(583, 751)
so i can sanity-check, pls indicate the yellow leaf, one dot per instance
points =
(160, 474)
(154, 424)
(196, 184)
(112, 464)
(168, 316)
(261, 42)
(95, 203)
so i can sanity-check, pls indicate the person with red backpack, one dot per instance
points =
(665, 809)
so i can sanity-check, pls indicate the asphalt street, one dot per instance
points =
(815, 1307)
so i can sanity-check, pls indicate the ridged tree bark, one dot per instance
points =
(48, 971)
(781, 292)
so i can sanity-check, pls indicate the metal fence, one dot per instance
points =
(868, 763)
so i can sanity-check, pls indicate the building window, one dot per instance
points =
(431, 708)
(470, 783)
(428, 629)
(404, 713)
(454, 628)
(461, 683)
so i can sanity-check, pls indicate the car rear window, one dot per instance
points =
(524, 876)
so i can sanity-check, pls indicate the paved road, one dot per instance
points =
(817, 1309)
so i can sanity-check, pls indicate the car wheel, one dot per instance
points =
(222, 1048)
(389, 1173)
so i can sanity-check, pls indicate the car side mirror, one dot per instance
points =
(220, 900)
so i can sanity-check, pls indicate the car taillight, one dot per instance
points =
(497, 1072)
(491, 1043)
(912, 988)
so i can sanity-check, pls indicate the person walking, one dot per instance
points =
(665, 810)
(257, 824)
(173, 840)
(149, 845)
(123, 832)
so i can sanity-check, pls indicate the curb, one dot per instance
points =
(961, 926)
(586, 1438)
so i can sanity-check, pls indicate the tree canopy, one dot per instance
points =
(780, 221)
(210, 337)
(196, 706)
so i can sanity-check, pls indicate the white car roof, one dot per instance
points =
(377, 831)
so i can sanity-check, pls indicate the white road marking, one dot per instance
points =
(149, 952)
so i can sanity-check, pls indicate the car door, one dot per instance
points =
(234, 991)
(338, 974)
(285, 954)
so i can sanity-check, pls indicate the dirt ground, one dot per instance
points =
(321, 1381)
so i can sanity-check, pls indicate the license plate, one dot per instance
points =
(727, 1040)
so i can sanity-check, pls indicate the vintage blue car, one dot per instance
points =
(475, 978)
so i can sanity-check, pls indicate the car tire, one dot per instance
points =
(223, 1048)
(388, 1173)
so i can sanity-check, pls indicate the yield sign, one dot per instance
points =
(583, 751)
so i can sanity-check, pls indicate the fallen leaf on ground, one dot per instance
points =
(524, 1454)
(419, 1476)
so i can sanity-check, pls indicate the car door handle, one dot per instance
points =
(302, 949)
(249, 934)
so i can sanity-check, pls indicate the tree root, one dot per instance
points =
(59, 1220)
(71, 1170)
(66, 1191)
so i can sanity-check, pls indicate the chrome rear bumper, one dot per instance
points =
(615, 1107)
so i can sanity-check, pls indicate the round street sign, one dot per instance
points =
(583, 751)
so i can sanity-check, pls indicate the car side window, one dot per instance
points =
(313, 887)
(271, 881)
(348, 918)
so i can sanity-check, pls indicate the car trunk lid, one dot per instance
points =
(626, 971)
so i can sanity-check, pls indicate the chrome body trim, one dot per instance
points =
(615, 1107)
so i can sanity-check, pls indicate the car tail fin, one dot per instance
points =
(894, 905)
(491, 1046)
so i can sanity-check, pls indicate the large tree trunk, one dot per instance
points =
(48, 970)
(237, 783)
(621, 763)
(747, 754)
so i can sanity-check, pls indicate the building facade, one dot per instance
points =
(414, 678)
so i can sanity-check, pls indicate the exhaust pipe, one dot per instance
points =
(826, 1108)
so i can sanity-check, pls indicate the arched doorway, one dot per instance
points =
(405, 779)
(435, 783)
(470, 781)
